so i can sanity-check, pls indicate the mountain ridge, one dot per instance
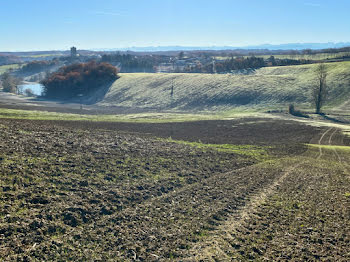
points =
(287, 46)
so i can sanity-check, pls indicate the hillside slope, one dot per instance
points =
(268, 87)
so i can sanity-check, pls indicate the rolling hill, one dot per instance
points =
(269, 87)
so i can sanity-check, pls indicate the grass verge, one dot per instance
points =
(258, 153)
(142, 117)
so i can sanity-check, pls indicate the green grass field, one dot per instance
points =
(269, 87)
(4, 68)
(140, 117)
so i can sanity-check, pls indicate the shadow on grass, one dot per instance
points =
(336, 120)
(87, 99)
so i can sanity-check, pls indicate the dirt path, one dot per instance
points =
(222, 244)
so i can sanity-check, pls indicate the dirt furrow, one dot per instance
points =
(211, 249)
(204, 204)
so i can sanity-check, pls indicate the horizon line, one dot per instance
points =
(225, 47)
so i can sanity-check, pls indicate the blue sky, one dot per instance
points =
(59, 24)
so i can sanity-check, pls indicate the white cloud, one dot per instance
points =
(313, 4)
(120, 13)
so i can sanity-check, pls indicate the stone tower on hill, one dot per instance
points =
(73, 52)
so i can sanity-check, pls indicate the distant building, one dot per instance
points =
(73, 52)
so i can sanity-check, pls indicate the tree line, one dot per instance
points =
(132, 63)
(240, 63)
(9, 83)
(78, 79)
(38, 66)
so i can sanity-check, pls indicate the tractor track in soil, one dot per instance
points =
(218, 246)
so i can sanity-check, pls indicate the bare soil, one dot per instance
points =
(303, 216)
(119, 192)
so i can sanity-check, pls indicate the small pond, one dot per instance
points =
(36, 89)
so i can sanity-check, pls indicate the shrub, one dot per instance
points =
(29, 92)
(291, 109)
(75, 79)
(295, 112)
(9, 83)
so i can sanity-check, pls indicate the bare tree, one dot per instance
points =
(320, 90)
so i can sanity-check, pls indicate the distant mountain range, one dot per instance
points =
(174, 49)
(291, 46)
